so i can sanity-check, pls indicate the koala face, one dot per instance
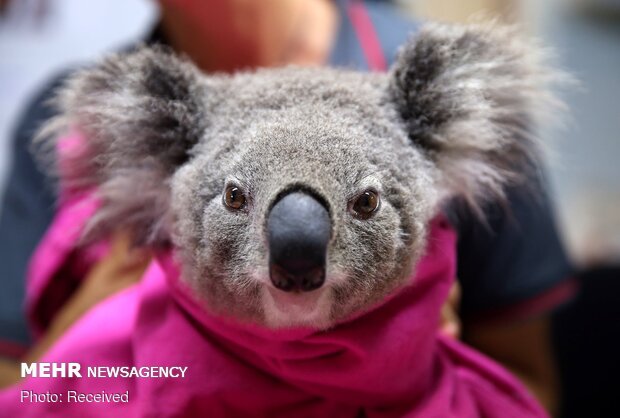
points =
(299, 197)
(304, 201)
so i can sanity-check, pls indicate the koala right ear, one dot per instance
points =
(139, 115)
(470, 98)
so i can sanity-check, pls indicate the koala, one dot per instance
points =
(299, 197)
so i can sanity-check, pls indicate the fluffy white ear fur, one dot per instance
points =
(472, 97)
(140, 113)
(469, 97)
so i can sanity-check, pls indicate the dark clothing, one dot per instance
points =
(515, 259)
(27, 210)
(587, 340)
(516, 256)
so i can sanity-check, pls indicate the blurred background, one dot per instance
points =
(583, 164)
(41, 37)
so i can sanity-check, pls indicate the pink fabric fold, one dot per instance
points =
(387, 362)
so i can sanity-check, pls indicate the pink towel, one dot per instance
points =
(388, 362)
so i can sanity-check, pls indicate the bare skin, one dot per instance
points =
(285, 32)
(121, 268)
(297, 32)
(523, 346)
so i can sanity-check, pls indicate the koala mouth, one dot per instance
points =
(296, 309)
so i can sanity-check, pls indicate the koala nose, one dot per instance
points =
(299, 229)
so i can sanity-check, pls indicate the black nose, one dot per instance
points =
(299, 229)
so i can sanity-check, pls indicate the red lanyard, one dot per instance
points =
(367, 35)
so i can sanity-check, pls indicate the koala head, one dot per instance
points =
(298, 197)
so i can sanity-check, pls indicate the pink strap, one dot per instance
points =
(367, 35)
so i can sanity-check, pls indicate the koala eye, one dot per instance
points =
(366, 204)
(234, 197)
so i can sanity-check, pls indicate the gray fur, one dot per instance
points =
(471, 96)
(451, 118)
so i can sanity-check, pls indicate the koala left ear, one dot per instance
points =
(139, 114)
(469, 97)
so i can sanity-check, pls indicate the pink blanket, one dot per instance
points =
(389, 362)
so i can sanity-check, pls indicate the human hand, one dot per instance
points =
(450, 323)
(119, 269)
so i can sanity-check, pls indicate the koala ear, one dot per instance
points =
(469, 97)
(139, 115)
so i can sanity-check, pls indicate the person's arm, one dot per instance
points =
(524, 347)
(513, 272)
(122, 267)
